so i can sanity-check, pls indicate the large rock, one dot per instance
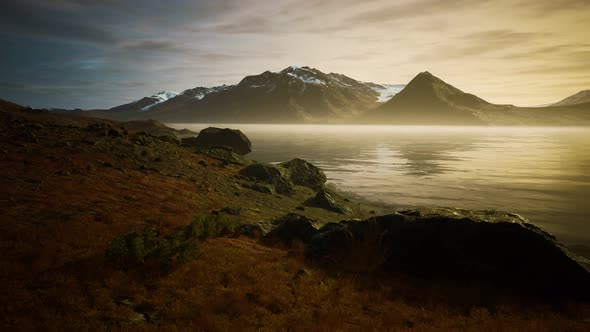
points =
(495, 247)
(217, 137)
(291, 228)
(325, 200)
(270, 174)
(284, 176)
(305, 174)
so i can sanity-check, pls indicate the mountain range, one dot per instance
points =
(307, 95)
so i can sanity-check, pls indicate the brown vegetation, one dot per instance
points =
(68, 190)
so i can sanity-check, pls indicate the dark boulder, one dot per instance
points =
(291, 228)
(270, 174)
(455, 244)
(283, 177)
(305, 174)
(217, 137)
(331, 244)
(325, 200)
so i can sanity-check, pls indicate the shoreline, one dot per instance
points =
(75, 186)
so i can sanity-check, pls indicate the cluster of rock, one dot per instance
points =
(446, 244)
(230, 146)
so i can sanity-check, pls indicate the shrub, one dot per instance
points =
(179, 246)
(207, 226)
(137, 248)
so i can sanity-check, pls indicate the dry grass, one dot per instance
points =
(237, 284)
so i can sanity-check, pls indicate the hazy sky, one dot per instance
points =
(96, 54)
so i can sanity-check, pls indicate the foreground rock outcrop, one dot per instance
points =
(447, 244)
(305, 174)
(271, 175)
(282, 178)
(218, 138)
(325, 200)
(290, 229)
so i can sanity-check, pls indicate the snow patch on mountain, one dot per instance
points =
(200, 92)
(160, 97)
(307, 78)
(386, 91)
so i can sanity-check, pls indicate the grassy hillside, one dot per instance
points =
(69, 188)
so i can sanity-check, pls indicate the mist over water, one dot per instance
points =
(542, 173)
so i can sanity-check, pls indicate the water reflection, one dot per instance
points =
(427, 158)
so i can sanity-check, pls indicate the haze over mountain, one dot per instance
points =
(307, 95)
(428, 100)
(579, 98)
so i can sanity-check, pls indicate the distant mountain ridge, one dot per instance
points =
(428, 100)
(577, 99)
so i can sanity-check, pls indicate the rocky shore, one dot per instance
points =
(70, 185)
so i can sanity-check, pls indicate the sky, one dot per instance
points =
(99, 54)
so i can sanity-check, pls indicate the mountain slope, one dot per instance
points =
(428, 100)
(8, 106)
(579, 98)
(145, 103)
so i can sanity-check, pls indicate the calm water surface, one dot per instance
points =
(541, 173)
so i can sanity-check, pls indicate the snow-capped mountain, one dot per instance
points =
(160, 97)
(200, 92)
(143, 104)
(294, 94)
(386, 91)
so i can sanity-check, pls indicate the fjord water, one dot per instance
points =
(542, 173)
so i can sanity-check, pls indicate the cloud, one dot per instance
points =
(40, 20)
(550, 7)
(179, 44)
(408, 11)
(475, 44)
(249, 24)
(153, 45)
(107, 21)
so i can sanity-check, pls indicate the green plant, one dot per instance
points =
(179, 246)
(137, 248)
(208, 226)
